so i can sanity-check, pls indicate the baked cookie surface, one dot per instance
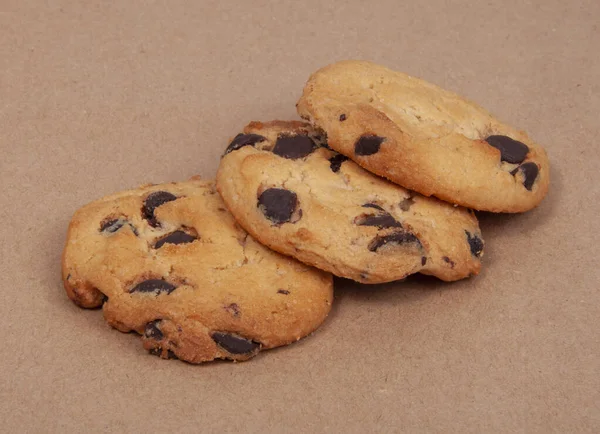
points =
(425, 138)
(295, 195)
(169, 262)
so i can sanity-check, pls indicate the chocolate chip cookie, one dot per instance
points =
(169, 262)
(294, 194)
(425, 138)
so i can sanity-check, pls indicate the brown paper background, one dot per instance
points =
(99, 96)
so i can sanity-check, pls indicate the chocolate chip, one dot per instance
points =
(406, 204)
(152, 331)
(530, 172)
(153, 285)
(283, 291)
(423, 260)
(153, 201)
(475, 243)
(278, 204)
(235, 344)
(342, 117)
(373, 205)
(233, 309)
(158, 351)
(368, 145)
(402, 237)
(111, 226)
(294, 147)
(336, 161)
(511, 151)
(383, 220)
(177, 237)
(242, 140)
(449, 261)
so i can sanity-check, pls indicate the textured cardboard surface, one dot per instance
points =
(97, 97)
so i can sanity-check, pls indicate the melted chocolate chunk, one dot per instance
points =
(283, 291)
(423, 260)
(158, 351)
(235, 344)
(373, 205)
(152, 331)
(343, 117)
(336, 161)
(242, 140)
(177, 237)
(475, 243)
(294, 147)
(368, 145)
(511, 151)
(278, 204)
(449, 261)
(112, 226)
(395, 238)
(383, 220)
(155, 286)
(530, 172)
(153, 201)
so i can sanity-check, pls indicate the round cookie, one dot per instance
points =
(295, 195)
(169, 262)
(425, 138)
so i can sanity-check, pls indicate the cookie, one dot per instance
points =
(425, 138)
(295, 195)
(169, 262)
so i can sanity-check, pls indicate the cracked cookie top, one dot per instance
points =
(291, 192)
(169, 262)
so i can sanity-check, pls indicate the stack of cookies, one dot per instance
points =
(377, 184)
